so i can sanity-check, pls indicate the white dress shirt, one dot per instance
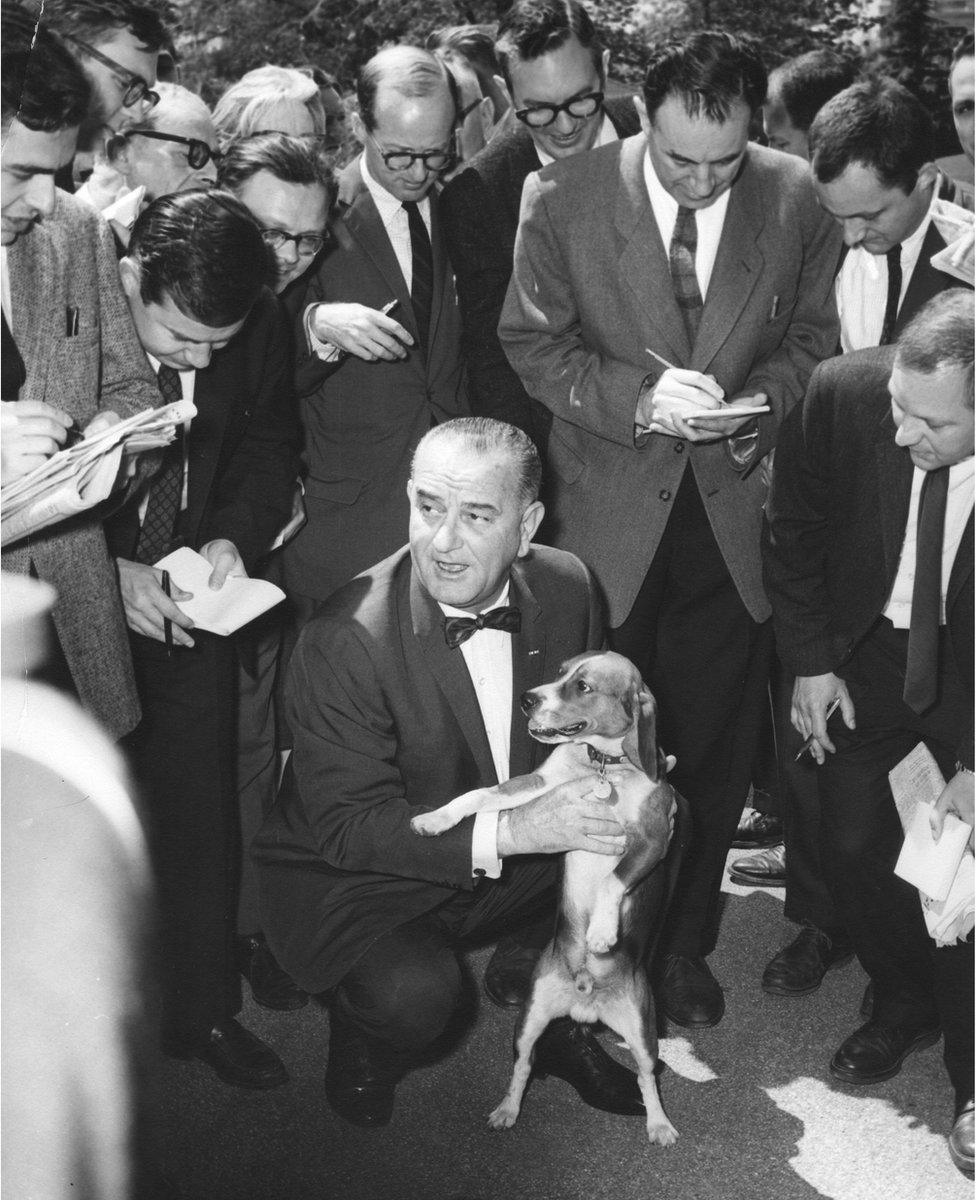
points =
(395, 220)
(710, 222)
(488, 657)
(959, 504)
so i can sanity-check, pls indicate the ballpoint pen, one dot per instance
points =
(167, 623)
(808, 744)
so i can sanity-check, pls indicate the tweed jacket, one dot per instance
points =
(68, 261)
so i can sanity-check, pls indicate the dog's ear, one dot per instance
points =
(640, 742)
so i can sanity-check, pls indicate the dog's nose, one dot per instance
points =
(528, 701)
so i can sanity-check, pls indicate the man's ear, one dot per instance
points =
(129, 275)
(358, 128)
(605, 67)
(503, 87)
(927, 175)
(531, 520)
(486, 112)
(642, 116)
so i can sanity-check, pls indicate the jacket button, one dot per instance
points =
(664, 494)
(679, 447)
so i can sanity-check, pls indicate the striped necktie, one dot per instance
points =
(422, 282)
(166, 486)
(922, 666)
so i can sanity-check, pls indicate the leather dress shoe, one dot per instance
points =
(237, 1056)
(756, 829)
(765, 869)
(271, 986)
(875, 1051)
(572, 1052)
(688, 993)
(800, 967)
(961, 1140)
(361, 1078)
(508, 976)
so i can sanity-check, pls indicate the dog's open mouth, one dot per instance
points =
(543, 734)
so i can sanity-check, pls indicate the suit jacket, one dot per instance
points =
(363, 420)
(386, 725)
(243, 444)
(836, 520)
(480, 206)
(591, 291)
(68, 261)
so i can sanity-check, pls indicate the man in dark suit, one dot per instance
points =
(554, 68)
(194, 278)
(395, 711)
(869, 564)
(690, 247)
(381, 302)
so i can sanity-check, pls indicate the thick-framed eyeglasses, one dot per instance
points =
(198, 153)
(135, 88)
(468, 110)
(403, 160)
(306, 244)
(541, 115)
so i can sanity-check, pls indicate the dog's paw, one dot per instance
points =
(431, 824)
(661, 1132)
(504, 1116)
(600, 939)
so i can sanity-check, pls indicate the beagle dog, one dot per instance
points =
(602, 720)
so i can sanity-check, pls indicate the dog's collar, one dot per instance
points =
(604, 760)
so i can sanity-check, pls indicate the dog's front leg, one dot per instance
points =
(512, 794)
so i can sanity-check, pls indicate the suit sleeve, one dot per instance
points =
(348, 784)
(540, 332)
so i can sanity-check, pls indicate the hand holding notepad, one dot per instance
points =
(223, 610)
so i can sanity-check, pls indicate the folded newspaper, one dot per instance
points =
(955, 224)
(943, 870)
(83, 475)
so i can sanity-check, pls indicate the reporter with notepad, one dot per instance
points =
(195, 279)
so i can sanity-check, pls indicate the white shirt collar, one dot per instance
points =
(449, 611)
(387, 204)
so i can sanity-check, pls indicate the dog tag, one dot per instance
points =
(602, 789)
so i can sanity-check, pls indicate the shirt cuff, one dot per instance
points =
(326, 351)
(484, 846)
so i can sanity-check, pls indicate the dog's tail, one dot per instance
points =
(583, 981)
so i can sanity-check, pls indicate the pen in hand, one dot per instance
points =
(167, 623)
(808, 744)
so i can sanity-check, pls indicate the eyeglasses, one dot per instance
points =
(541, 115)
(306, 244)
(403, 160)
(468, 109)
(135, 88)
(198, 153)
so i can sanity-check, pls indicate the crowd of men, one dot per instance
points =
(482, 362)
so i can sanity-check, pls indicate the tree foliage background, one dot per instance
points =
(220, 40)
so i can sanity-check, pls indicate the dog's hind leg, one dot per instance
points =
(549, 999)
(630, 1013)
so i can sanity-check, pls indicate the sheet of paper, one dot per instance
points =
(928, 864)
(228, 608)
(915, 780)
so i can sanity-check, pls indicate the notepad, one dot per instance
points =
(226, 609)
(929, 865)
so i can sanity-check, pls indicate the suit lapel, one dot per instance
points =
(738, 265)
(442, 272)
(643, 264)
(451, 674)
(31, 258)
(895, 472)
(528, 665)
(365, 226)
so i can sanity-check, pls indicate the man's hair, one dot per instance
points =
(940, 337)
(804, 84)
(532, 28)
(408, 71)
(485, 436)
(876, 123)
(203, 250)
(963, 49)
(290, 159)
(41, 83)
(89, 20)
(476, 45)
(709, 71)
(243, 108)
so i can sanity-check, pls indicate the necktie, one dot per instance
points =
(681, 256)
(921, 671)
(166, 487)
(459, 629)
(894, 294)
(12, 370)
(422, 282)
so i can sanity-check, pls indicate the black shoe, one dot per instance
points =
(571, 1052)
(688, 993)
(756, 829)
(508, 976)
(875, 1051)
(765, 869)
(800, 967)
(271, 985)
(961, 1140)
(237, 1056)
(361, 1078)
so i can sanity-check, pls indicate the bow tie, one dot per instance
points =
(459, 629)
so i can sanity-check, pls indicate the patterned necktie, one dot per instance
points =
(681, 256)
(422, 270)
(13, 373)
(166, 486)
(894, 295)
(458, 629)
(921, 671)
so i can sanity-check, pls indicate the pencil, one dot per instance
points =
(167, 624)
(663, 361)
(807, 745)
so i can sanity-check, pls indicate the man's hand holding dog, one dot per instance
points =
(812, 696)
(569, 817)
